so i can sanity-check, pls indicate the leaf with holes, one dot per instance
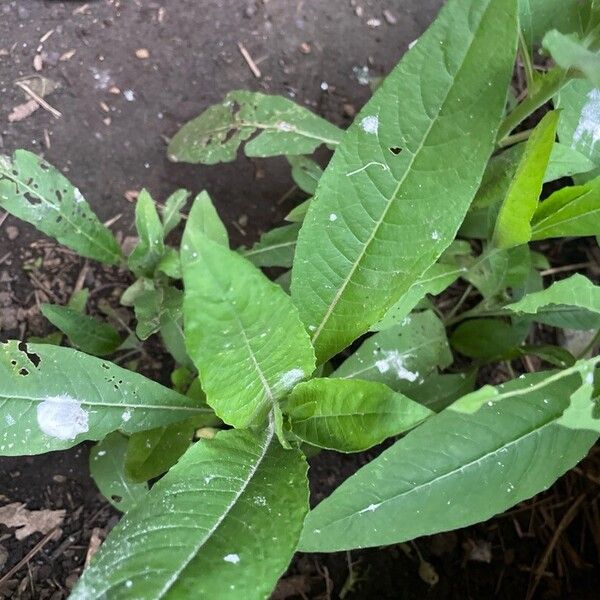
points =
(350, 415)
(107, 467)
(38, 193)
(491, 447)
(284, 128)
(400, 183)
(52, 398)
(400, 355)
(236, 504)
(242, 331)
(86, 333)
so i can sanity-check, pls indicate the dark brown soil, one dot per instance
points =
(117, 109)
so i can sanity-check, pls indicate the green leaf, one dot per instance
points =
(400, 355)
(350, 415)
(107, 467)
(285, 128)
(487, 339)
(570, 211)
(203, 219)
(236, 505)
(497, 269)
(86, 333)
(169, 264)
(566, 162)
(78, 300)
(150, 248)
(437, 392)
(298, 213)
(171, 212)
(570, 53)
(275, 248)
(36, 192)
(572, 303)
(434, 281)
(52, 398)
(513, 224)
(400, 183)
(242, 332)
(492, 449)
(151, 453)
(579, 104)
(305, 173)
(156, 306)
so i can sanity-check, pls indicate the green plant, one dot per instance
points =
(429, 185)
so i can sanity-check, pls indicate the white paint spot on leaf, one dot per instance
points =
(333, 217)
(589, 121)
(232, 558)
(370, 508)
(394, 360)
(126, 416)
(62, 417)
(10, 420)
(288, 379)
(435, 235)
(370, 124)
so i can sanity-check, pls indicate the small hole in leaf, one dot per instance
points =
(116, 498)
(34, 358)
(395, 150)
(23, 371)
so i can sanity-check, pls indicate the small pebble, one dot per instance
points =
(12, 232)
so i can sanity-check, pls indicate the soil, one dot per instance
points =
(117, 109)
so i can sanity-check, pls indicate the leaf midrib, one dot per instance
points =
(229, 508)
(390, 201)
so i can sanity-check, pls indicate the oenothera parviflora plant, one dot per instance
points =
(429, 188)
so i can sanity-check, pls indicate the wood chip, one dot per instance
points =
(46, 36)
(389, 17)
(82, 10)
(305, 48)
(96, 539)
(131, 195)
(142, 53)
(114, 90)
(22, 111)
(26, 521)
(249, 61)
(68, 55)
(56, 113)
(38, 63)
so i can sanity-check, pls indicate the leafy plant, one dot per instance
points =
(430, 192)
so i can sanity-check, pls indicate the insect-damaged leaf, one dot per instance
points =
(52, 398)
(350, 415)
(235, 504)
(107, 467)
(285, 128)
(401, 181)
(36, 192)
(242, 331)
(490, 447)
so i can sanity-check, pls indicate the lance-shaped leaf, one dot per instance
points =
(439, 391)
(36, 192)
(401, 181)
(570, 211)
(242, 331)
(235, 505)
(573, 303)
(350, 415)
(490, 448)
(284, 126)
(402, 354)
(171, 212)
(52, 398)
(275, 248)
(150, 248)
(107, 468)
(516, 211)
(86, 333)
(570, 53)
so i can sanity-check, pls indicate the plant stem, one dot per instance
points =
(460, 302)
(527, 63)
(515, 138)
